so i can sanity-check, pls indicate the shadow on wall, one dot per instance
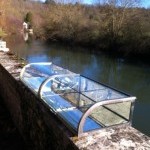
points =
(10, 138)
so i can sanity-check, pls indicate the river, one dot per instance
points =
(131, 76)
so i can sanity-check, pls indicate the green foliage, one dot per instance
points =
(49, 2)
(28, 19)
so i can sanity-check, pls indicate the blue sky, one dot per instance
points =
(144, 3)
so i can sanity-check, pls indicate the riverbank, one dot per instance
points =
(94, 49)
(106, 27)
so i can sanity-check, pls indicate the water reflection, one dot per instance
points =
(116, 72)
(25, 36)
(28, 37)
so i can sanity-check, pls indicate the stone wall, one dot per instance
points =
(38, 126)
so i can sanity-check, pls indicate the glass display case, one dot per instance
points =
(82, 104)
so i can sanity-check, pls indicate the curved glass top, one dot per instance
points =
(81, 103)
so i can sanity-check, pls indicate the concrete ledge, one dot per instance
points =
(42, 130)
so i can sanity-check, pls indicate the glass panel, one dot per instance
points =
(103, 94)
(69, 113)
(34, 75)
(34, 70)
(45, 70)
(72, 117)
(56, 86)
(112, 114)
(86, 87)
(34, 82)
(123, 109)
(98, 92)
(70, 82)
(70, 95)
(89, 85)
(78, 100)
(57, 102)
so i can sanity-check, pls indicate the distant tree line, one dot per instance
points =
(108, 25)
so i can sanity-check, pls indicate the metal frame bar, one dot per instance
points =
(52, 77)
(89, 111)
(131, 111)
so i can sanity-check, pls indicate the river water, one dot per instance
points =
(131, 76)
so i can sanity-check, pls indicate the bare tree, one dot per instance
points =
(4, 6)
(117, 12)
(118, 3)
